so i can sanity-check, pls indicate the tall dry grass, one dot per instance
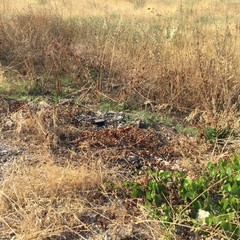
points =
(186, 58)
(183, 54)
(70, 194)
(46, 201)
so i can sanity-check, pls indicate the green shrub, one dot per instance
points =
(169, 195)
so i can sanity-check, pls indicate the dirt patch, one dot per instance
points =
(57, 148)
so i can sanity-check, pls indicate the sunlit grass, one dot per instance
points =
(172, 57)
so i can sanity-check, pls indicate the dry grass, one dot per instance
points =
(59, 192)
(164, 59)
(45, 201)
(179, 54)
(46, 195)
(91, 7)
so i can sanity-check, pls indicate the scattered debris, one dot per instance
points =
(99, 122)
(75, 135)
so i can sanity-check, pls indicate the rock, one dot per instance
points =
(3, 153)
(43, 104)
(118, 117)
(9, 123)
(142, 124)
(133, 158)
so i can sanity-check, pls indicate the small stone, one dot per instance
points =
(133, 158)
(118, 117)
(3, 152)
(9, 123)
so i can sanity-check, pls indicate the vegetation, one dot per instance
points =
(172, 195)
(119, 119)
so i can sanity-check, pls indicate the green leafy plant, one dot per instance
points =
(158, 193)
(169, 195)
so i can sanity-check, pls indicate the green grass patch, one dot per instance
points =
(107, 106)
(150, 118)
(187, 130)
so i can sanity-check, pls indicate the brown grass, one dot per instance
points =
(51, 202)
(186, 59)
(46, 201)
(179, 54)
(54, 190)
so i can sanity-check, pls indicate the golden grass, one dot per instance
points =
(161, 57)
(127, 8)
(92, 7)
(46, 195)
(47, 200)
(182, 54)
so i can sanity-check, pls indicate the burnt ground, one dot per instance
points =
(76, 135)
(132, 144)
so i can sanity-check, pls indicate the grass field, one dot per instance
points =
(163, 78)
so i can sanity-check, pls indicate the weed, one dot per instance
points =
(187, 130)
(113, 50)
(108, 106)
(37, 45)
(149, 118)
(129, 55)
(48, 215)
(213, 134)
(168, 194)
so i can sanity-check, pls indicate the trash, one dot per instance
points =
(202, 215)
(99, 122)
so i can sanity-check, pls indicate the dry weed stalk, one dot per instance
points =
(164, 59)
(47, 200)
(183, 60)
